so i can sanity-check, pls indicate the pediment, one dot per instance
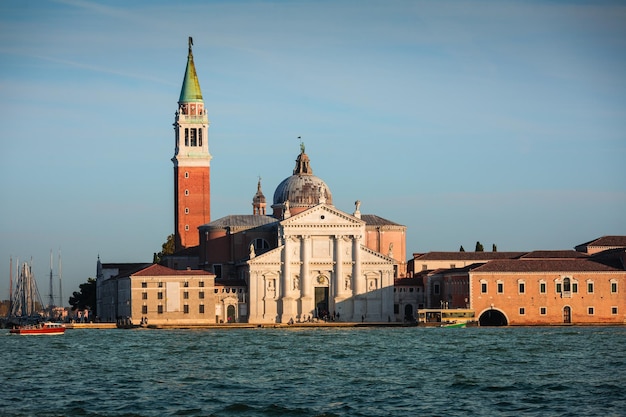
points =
(370, 256)
(322, 215)
(273, 256)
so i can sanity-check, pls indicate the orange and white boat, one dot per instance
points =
(47, 328)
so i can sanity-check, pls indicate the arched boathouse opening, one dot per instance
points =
(492, 318)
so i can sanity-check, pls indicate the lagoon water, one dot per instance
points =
(538, 371)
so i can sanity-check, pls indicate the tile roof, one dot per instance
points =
(545, 265)
(554, 254)
(374, 220)
(411, 282)
(468, 256)
(606, 241)
(242, 221)
(156, 270)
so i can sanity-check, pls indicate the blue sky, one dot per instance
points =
(494, 121)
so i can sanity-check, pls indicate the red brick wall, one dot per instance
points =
(197, 201)
(510, 301)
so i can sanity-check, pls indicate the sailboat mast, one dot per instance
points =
(10, 284)
(51, 293)
(60, 281)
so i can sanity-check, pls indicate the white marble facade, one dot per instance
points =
(321, 268)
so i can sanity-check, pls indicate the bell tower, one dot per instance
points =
(192, 161)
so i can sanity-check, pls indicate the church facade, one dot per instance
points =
(308, 260)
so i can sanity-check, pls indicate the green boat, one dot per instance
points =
(454, 325)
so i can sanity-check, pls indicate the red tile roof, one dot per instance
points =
(155, 270)
(554, 254)
(411, 282)
(545, 265)
(605, 241)
(468, 256)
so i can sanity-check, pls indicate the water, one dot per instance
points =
(561, 371)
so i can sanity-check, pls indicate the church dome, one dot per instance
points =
(302, 190)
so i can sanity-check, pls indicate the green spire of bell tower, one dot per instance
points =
(190, 92)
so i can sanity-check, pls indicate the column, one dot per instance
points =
(339, 283)
(305, 276)
(358, 282)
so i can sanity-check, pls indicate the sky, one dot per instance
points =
(496, 121)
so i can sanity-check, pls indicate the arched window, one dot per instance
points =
(567, 287)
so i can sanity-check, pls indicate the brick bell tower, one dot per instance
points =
(192, 161)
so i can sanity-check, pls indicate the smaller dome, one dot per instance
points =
(259, 197)
(258, 201)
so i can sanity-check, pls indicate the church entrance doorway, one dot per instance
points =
(321, 302)
(230, 314)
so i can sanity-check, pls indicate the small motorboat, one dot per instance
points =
(454, 324)
(48, 328)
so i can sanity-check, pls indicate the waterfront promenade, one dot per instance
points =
(242, 325)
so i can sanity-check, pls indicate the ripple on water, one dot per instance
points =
(316, 372)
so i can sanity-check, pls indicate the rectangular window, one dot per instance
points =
(160, 309)
(543, 311)
(186, 284)
(483, 287)
(542, 288)
(590, 287)
(144, 295)
(200, 137)
(160, 284)
(192, 137)
(201, 295)
(574, 287)
(186, 295)
(558, 287)
(452, 266)
(144, 309)
(201, 284)
(186, 308)
(424, 267)
(144, 285)
(217, 270)
(160, 295)
(522, 288)
(613, 287)
(613, 310)
(500, 287)
(201, 309)
(186, 136)
(590, 311)
(522, 311)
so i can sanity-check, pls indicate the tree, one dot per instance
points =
(479, 247)
(86, 298)
(494, 248)
(461, 249)
(166, 249)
